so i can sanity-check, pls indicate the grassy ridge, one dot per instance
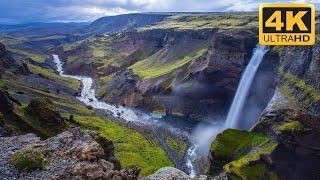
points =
(75, 84)
(131, 148)
(144, 70)
(208, 20)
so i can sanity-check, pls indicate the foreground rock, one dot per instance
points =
(283, 145)
(70, 155)
(168, 173)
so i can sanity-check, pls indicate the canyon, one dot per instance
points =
(167, 84)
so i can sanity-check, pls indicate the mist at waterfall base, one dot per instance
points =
(244, 111)
(202, 135)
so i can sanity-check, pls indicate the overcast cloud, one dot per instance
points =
(24, 11)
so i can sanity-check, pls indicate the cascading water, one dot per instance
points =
(135, 116)
(205, 133)
(202, 136)
(239, 99)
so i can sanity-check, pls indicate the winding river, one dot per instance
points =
(132, 115)
(202, 134)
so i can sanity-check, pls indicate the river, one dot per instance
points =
(202, 134)
(132, 115)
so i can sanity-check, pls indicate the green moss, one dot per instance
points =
(34, 56)
(28, 160)
(69, 82)
(290, 125)
(177, 145)
(246, 170)
(240, 152)
(308, 94)
(277, 49)
(144, 70)
(232, 142)
(131, 148)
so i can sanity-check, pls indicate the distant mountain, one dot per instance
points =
(32, 30)
(111, 24)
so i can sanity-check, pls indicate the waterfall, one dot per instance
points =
(233, 117)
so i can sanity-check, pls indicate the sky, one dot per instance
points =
(26, 11)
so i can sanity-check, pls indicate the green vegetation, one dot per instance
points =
(243, 148)
(308, 95)
(246, 170)
(131, 148)
(34, 56)
(233, 142)
(72, 83)
(208, 20)
(144, 70)
(179, 146)
(301, 84)
(28, 160)
(277, 49)
(17, 84)
(290, 125)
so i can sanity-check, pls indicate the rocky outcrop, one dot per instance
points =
(120, 87)
(167, 173)
(300, 74)
(45, 111)
(70, 155)
(39, 117)
(6, 105)
(6, 60)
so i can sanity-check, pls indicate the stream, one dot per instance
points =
(135, 116)
(202, 134)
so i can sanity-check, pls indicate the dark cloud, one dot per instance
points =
(23, 11)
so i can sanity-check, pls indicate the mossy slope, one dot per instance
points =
(131, 148)
(239, 153)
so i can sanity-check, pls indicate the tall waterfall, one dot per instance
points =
(233, 117)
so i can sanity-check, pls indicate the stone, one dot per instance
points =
(168, 173)
(90, 151)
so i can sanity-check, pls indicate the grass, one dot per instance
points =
(177, 145)
(246, 170)
(290, 125)
(34, 56)
(240, 152)
(308, 94)
(103, 81)
(233, 142)
(65, 105)
(69, 82)
(131, 148)
(28, 160)
(208, 20)
(143, 70)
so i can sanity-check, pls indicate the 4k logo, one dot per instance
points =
(287, 24)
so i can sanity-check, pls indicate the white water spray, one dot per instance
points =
(239, 99)
(203, 137)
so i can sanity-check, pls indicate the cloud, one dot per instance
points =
(22, 11)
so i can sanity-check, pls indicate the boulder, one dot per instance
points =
(168, 173)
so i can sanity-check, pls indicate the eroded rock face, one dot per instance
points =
(120, 86)
(300, 74)
(6, 60)
(71, 155)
